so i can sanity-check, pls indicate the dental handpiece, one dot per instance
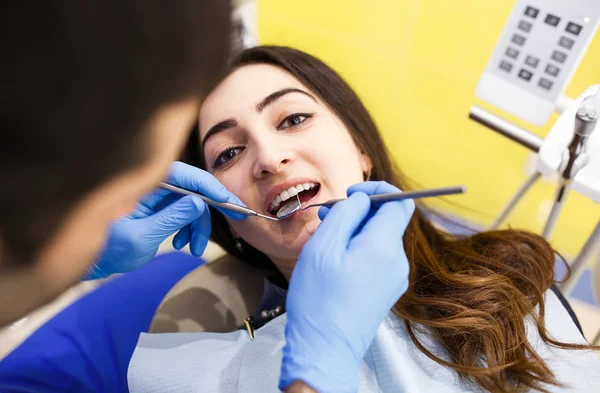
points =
(586, 119)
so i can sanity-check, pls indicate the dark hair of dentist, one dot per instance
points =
(98, 98)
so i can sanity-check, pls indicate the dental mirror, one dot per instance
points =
(289, 209)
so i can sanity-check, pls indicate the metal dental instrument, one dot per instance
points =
(223, 205)
(293, 207)
(575, 156)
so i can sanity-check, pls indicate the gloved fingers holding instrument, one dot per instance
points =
(134, 239)
(357, 250)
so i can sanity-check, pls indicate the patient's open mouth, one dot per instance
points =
(304, 191)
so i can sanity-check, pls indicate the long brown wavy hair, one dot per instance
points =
(472, 293)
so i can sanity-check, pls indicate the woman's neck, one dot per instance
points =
(285, 266)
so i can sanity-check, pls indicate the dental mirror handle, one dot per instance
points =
(224, 205)
(399, 196)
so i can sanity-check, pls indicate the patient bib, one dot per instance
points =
(231, 362)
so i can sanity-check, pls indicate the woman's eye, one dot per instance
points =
(226, 156)
(294, 120)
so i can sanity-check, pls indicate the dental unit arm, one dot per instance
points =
(574, 156)
(571, 153)
(537, 54)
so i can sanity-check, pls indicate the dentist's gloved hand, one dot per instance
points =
(134, 239)
(349, 275)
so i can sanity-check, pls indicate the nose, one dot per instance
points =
(273, 156)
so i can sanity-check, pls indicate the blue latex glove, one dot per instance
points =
(134, 239)
(349, 275)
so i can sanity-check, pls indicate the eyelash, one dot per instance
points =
(218, 162)
(306, 116)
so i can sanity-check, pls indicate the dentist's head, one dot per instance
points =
(98, 98)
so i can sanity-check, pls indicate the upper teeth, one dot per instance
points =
(289, 193)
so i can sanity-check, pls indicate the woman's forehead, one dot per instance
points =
(243, 89)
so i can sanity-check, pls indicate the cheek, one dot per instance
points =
(331, 146)
(121, 209)
(238, 179)
(78, 241)
(339, 163)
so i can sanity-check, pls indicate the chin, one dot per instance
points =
(305, 226)
(295, 247)
(288, 241)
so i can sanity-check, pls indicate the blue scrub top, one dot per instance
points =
(87, 347)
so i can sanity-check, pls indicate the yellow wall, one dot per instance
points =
(416, 63)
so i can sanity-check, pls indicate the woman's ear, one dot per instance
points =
(366, 165)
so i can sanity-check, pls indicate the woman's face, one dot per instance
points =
(267, 137)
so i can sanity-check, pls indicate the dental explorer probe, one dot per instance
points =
(292, 207)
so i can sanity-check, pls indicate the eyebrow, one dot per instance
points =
(220, 127)
(268, 100)
(271, 98)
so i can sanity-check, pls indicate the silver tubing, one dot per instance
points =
(561, 195)
(506, 128)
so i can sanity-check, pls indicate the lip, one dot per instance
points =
(277, 189)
